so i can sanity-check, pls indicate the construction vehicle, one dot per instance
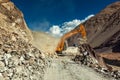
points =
(81, 29)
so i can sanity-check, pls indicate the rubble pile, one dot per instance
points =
(85, 57)
(103, 34)
(20, 60)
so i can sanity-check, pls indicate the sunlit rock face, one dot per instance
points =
(3, 1)
(19, 59)
(12, 21)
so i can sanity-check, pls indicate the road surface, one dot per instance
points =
(65, 69)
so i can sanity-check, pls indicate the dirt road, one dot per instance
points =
(65, 69)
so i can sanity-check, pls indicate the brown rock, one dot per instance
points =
(19, 60)
(1, 77)
(31, 61)
(103, 30)
(4, 1)
(9, 6)
(2, 64)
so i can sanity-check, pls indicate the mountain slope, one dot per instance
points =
(19, 59)
(103, 29)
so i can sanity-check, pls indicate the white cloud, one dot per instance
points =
(67, 26)
(58, 31)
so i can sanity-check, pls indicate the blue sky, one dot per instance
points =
(42, 14)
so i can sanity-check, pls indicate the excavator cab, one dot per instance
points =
(62, 44)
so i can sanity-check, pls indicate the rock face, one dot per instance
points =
(19, 60)
(99, 62)
(12, 21)
(103, 30)
(3, 1)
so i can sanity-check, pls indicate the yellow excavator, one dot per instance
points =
(81, 30)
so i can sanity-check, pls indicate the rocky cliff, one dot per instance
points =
(103, 30)
(12, 21)
(19, 60)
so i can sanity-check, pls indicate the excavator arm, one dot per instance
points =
(81, 30)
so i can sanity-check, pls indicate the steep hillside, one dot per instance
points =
(19, 59)
(103, 29)
(12, 19)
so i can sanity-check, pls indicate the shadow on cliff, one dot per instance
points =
(116, 48)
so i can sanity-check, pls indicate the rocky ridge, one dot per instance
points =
(19, 59)
(103, 29)
(12, 20)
